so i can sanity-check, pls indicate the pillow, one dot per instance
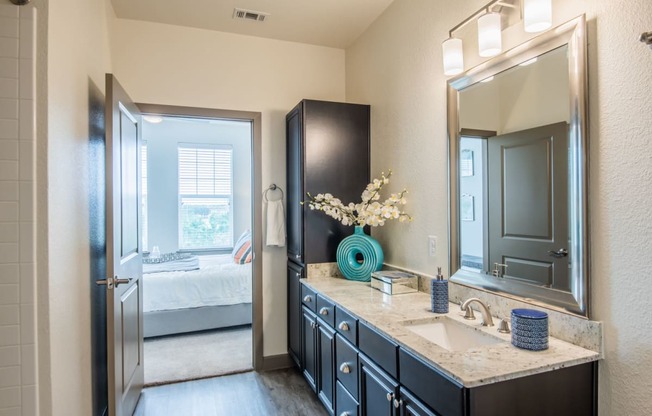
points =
(242, 251)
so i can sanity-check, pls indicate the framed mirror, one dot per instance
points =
(518, 171)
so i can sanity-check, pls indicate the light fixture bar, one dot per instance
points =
(484, 9)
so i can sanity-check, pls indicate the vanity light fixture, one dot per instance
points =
(153, 119)
(490, 35)
(537, 15)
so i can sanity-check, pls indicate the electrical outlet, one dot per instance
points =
(432, 245)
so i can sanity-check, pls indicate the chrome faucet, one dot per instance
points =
(487, 320)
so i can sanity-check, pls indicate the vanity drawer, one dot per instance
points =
(309, 298)
(345, 404)
(346, 365)
(346, 325)
(433, 388)
(326, 310)
(380, 349)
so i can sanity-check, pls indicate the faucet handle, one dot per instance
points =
(468, 313)
(503, 326)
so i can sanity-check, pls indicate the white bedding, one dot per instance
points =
(213, 284)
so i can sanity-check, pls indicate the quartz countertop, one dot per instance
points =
(473, 367)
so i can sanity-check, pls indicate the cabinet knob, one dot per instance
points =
(345, 368)
(297, 256)
(297, 274)
(390, 397)
(307, 299)
(398, 403)
(343, 326)
(345, 414)
(323, 311)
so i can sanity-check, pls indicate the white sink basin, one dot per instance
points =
(451, 335)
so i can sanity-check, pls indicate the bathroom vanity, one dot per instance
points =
(366, 353)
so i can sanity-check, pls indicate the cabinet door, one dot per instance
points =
(295, 185)
(411, 406)
(295, 273)
(309, 347)
(377, 390)
(326, 360)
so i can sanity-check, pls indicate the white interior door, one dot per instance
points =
(124, 261)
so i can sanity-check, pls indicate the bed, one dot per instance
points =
(216, 294)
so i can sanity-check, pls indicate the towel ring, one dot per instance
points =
(273, 187)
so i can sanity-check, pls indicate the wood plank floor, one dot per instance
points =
(281, 392)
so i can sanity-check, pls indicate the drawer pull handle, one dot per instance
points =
(297, 274)
(345, 368)
(307, 299)
(398, 403)
(323, 311)
(345, 414)
(390, 397)
(297, 256)
(343, 326)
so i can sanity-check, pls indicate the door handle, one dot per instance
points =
(112, 282)
(562, 252)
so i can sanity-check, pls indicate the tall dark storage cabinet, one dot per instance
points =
(328, 148)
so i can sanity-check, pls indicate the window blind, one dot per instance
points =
(205, 170)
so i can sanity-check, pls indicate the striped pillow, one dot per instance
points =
(242, 252)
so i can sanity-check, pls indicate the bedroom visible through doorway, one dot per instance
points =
(197, 232)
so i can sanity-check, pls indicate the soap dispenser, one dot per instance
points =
(439, 293)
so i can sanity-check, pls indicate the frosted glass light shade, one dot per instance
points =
(453, 56)
(537, 15)
(490, 37)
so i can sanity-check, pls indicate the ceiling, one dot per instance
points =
(333, 23)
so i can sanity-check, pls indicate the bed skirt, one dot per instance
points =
(157, 323)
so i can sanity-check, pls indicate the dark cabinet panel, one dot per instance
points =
(379, 348)
(347, 325)
(295, 273)
(436, 390)
(411, 406)
(326, 310)
(328, 148)
(345, 404)
(294, 183)
(326, 359)
(309, 347)
(346, 365)
(377, 390)
(309, 298)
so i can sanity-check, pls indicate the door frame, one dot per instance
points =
(256, 187)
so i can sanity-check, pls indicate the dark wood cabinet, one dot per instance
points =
(295, 273)
(309, 347)
(391, 380)
(377, 390)
(328, 148)
(326, 360)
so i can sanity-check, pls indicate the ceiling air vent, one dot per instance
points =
(249, 15)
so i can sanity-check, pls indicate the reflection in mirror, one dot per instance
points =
(518, 155)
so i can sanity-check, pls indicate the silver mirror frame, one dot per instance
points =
(573, 34)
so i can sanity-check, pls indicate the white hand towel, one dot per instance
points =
(275, 224)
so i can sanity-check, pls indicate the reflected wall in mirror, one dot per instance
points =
(518, 172)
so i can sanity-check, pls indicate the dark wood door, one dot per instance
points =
(528, 205)
(294, 174)
(124, 269)
(309, 347)
(295, 273)
(377, 390)
(326, 360)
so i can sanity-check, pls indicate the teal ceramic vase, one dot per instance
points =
(358, 255)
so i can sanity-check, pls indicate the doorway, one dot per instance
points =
(200, 227)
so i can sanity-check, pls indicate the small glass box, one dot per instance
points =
(394, 282)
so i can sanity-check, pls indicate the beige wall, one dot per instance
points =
(396, 67)
(165, 64)
(77, 59)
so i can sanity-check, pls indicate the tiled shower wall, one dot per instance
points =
(18, 388)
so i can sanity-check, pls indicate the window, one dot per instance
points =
(143, 201)
(205, 196)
